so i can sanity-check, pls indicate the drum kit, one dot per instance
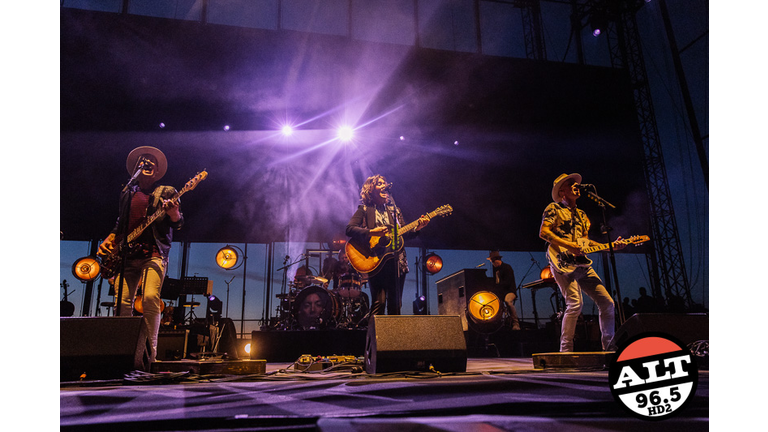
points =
(311, 304)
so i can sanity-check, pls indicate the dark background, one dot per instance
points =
(485, 134)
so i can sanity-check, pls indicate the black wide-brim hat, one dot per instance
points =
(135, 154)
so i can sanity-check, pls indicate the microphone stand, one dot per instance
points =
(287, 296)
(606, 230)
(395, 242)
(125, 219)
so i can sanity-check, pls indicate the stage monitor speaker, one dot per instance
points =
(400, 343)
(102, 348)
(686, 328)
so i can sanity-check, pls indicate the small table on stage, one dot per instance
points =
(537, 285)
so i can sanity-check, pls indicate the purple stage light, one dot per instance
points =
(596, 32)
(345, 133)
(226, 127)
(287, 130)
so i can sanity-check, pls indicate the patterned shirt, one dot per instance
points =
(565, 223)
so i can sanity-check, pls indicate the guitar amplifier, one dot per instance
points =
(454, 290)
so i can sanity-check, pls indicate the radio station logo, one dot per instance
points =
(653, 376)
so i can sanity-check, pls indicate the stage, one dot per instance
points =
(493, 394)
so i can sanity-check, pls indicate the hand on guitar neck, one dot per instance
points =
(107, 246)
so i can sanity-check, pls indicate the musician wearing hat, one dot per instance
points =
(146, 262)
(565, 228)
(504, 278)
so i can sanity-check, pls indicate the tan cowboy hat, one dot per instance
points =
(135, 154)
(494, 254)
(559, 182)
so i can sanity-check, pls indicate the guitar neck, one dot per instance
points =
(411, 226)
(597, 248)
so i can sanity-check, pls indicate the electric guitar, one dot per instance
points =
(567, 262)
(111, 262)
(367, 256)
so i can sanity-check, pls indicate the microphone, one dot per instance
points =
(585, 186)
(287, 257)
(387, 187)
(480, 265)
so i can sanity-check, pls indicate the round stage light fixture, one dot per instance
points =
(546, 273)
(287, 130)
(229, 257)
(86, 269)
(433, 263)
(485, 314)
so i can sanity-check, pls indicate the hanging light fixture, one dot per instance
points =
(86, 269)
(229, 257)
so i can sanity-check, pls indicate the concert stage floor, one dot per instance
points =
(494, 394)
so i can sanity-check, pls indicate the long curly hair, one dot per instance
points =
(366, 192)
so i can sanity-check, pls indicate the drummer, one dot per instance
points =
(338, 268)
(300, 279)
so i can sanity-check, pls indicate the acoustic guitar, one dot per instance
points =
(367, 256)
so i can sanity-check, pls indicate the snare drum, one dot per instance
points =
(316, 308)
(349, 285)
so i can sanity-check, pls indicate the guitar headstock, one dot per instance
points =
(637, 240)
(444, 210)
(192, 183)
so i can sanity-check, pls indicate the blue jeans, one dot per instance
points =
(586, 280)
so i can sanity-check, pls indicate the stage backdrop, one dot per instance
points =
(485, 134)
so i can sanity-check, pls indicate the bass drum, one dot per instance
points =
(316, 308)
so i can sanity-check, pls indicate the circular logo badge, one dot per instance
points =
(653, 376)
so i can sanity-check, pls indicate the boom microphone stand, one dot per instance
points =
(124, 220)
(605, 229)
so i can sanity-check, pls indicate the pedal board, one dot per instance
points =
(310, 363)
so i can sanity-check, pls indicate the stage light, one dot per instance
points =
(162, 125)
(226, 128)
(345, 133)
(229, 257)
(213, 309)
(287, 130)
(433, 263)
(598, 21)
(546, 273)
(485, 315)
(247, 348)
(420, 305)
(86, 269)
